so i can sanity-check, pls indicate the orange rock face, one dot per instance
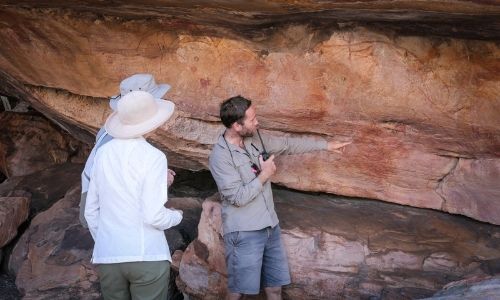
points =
(422, 112)
(343, 249)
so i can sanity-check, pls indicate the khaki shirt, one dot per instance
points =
(246, 203)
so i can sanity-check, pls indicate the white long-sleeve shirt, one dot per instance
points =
(102, 138)
(125, 203)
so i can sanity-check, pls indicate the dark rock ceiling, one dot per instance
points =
(479, 19)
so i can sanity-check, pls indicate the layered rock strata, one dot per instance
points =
(469, 19)
(422, 111)
(470, 289)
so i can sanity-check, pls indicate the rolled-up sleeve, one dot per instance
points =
(154, 195)
(292, 145)
(230, 184)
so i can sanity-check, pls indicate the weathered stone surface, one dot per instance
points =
(181, 235)
(52, 258)
(472, 19)
(29, 143)
(470, 188)
(475, 288)
(343, 248)
(13, 212)
(412, 105)
(44, 188)
(202, 270)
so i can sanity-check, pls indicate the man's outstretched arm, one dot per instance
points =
(295, 145)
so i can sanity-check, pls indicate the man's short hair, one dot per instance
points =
(233, 110)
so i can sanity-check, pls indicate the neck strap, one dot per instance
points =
(261, 142)
(228, 149)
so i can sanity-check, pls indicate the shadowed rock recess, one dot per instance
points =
(414, 84)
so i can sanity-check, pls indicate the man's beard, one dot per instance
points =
(246, 133)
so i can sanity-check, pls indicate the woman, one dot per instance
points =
(125, 203)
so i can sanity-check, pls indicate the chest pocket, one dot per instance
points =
(244, 166)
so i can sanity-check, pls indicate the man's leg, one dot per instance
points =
(273, 293)
(233, 296)
(275, 271)
(148, 279)
(244, 250)
(114, 285)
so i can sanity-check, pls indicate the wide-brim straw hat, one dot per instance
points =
(139, 82)
(138, 113)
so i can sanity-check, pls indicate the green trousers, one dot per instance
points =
(81, 216)
(143, 280)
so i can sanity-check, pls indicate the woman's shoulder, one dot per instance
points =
(151, 151)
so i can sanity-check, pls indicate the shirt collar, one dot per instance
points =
(223, 144)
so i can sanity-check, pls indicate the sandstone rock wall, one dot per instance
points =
(338, 248)
(422, 111)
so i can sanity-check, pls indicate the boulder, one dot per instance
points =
(180, 236)
(13, 212)
(202, 268)
(342, 248)
(52, 258)
(45, 187)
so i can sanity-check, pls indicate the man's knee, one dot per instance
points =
(274, 291)
(233, 296)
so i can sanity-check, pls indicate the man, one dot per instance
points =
(137, 82)
(125, 203)
(254, 250)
